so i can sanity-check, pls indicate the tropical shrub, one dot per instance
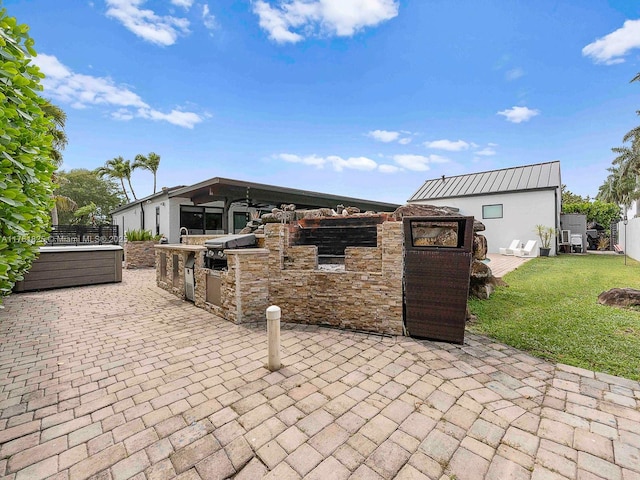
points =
(545, 234)
(601, 212)
(140, 236)
(25, 155)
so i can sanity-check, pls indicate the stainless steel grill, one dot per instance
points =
(215, 258)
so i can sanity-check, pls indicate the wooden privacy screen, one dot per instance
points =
(437, 267)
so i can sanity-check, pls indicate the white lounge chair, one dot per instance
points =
(529, 250)
(511, 248)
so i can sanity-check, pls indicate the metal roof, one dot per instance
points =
(515, 179)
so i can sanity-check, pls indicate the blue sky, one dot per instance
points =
(364, 98)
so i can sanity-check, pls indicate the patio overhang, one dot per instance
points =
(257, 194)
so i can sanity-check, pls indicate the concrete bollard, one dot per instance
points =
(273, 334)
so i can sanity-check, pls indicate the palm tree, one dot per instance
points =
(618, 188)
(120, 169)
(151, 162)
(56, 129)
(62, 204)
(628, 158)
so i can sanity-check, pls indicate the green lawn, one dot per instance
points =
(550, 309)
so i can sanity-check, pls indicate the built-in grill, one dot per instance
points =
(215, 258)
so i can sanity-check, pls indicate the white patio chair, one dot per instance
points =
(510, 249)
(529, 250)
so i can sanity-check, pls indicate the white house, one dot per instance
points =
(629, 233)
(221, 205)
(510, 202)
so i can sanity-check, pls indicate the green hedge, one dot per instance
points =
(25, 166)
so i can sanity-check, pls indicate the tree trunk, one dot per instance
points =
(131, 187)
(124, 190)
(54, 215)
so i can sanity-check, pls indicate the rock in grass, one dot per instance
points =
(620, 297)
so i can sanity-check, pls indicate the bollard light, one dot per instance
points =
(273, 336)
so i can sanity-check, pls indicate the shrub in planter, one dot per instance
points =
(545, 234)
(141, 236)
(138, 250)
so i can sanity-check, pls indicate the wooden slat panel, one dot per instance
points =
(72, 268)
(71, 273)
(47, 266)
(77, 255)
(62, 282)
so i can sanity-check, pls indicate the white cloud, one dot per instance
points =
(161, 30)
(514, 74)
(519, 114)
(384, 135)
(384, 168)
(122, 114)
(418, 163)
(81, 91)
(336, 162)
(293, 20)
(186, 4)
(273, 21)
(387, 136)
(208, 19)
(486, 152)
(612, 47)
(356, 163)
(175, 117)
(448, 145)
(51, 66)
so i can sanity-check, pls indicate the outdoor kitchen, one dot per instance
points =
(343, 271)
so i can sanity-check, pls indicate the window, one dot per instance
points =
(492, 211)
(200, 220)
(213, 221)
(192, 218)
(240, 220)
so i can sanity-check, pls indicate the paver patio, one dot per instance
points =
(126, 381)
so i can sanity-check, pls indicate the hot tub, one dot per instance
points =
(72, 266)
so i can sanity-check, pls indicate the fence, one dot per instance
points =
(630, 237)
(84, 235)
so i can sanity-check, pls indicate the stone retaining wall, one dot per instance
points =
(369, 299)
(139, 254)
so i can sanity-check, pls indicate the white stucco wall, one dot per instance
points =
(174, 217)
(632, 241)
(131, 218)
(521, 211)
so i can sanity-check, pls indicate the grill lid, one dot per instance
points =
(231, 241)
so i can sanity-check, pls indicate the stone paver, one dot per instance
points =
(125, 381)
